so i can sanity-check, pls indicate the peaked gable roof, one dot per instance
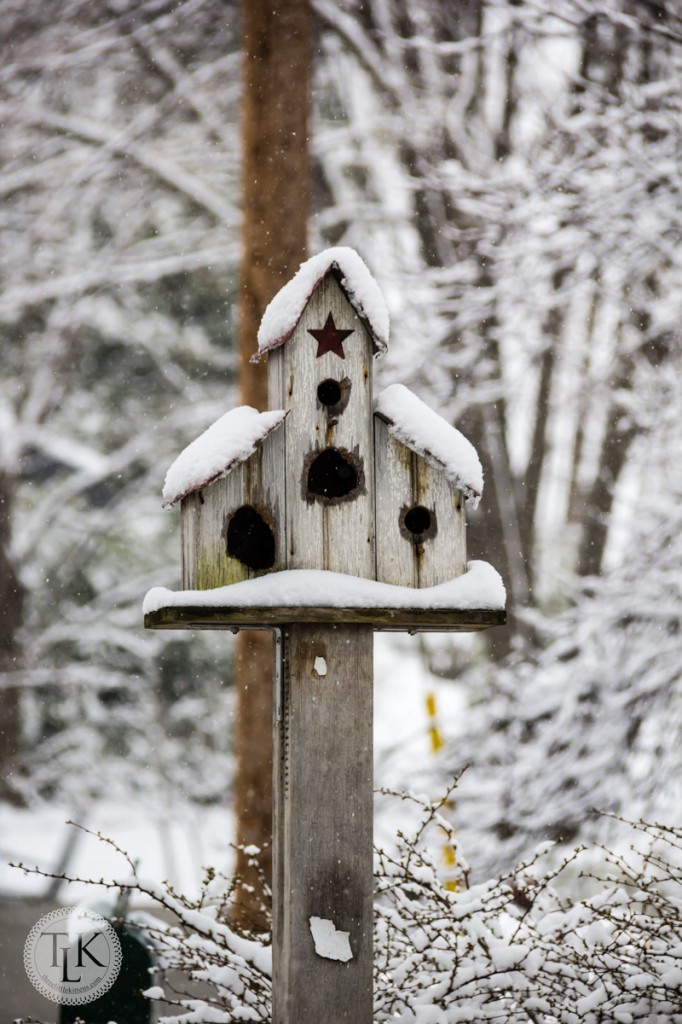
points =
(225, 444)
(282, 315)
(416, 425)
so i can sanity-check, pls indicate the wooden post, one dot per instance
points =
(322, 907)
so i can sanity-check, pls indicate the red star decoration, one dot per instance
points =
(329, 338)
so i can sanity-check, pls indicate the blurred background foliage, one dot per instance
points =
(511, 174)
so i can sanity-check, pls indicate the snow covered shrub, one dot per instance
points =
(591, 938)
(525, 946)
(226, 972)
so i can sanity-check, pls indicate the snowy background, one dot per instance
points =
(512, 179)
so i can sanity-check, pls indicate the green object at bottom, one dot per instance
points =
(124, 1002)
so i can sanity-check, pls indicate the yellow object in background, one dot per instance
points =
(437, 741)
(434, 732)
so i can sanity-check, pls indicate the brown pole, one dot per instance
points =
(276, 196)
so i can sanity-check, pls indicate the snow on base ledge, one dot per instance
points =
(480, 587)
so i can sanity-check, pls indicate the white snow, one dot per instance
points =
(155, 992)
(320, 666)
(480, 587)
(591, 1001)
(226, 443)
(415, 424)
(329, 942)
(174, 841)
(282, 315)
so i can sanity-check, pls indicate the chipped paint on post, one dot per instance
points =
(320, 666)
(330, 942)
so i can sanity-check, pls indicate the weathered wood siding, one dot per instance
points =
(336, 534)
(205, 514)
(404, 480)
(414, 620)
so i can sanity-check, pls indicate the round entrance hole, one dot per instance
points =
(332, 475)
(418, 520)
(329, 392)
(250, 539)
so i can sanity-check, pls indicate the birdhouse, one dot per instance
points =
(352, 513)
(326, 480)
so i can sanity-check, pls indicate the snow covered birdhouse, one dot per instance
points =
(351, 517)
(329, 479)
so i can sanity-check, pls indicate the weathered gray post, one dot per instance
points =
(326, 519)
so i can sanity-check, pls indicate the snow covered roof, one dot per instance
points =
(226, 443)
(282, 315)
(432, 437)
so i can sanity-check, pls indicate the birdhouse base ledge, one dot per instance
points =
(471, 602)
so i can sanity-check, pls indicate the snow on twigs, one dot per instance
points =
(226, 443)
(420, 428)
(590, 939)
(480, 587)
(282, 315)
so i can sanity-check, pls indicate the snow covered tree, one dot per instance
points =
(592, 722)
(516, 170)
(529, 214)
(120, 166)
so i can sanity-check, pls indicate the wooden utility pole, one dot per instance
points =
(277, 55)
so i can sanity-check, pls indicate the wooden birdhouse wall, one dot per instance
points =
(328, 462)
(421, 526)
(233, 529)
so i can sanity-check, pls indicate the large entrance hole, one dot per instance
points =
(333, 474)
(250, 539)
(418, 523)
